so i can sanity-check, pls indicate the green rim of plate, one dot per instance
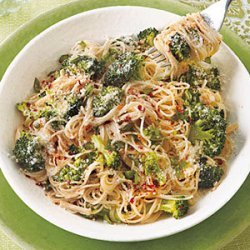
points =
(30, 230)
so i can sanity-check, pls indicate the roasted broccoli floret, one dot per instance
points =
(106, 100)
(57, 124)
(151, 164)
(74, 107)
(29, 153)
(104, 215)
(112, 158)
(197, 76)
(68, 173)
(208, 125)
(89, 159)
(125, 68)
(74, 173)
(117, 146)
(177, 208)
(128, 44)
(47, 113)
(209, 175)
(109, 216)
(148, 36)
(154, 134)
(23, 108)
(213, 79)
(64, 59)
(152, 167)
(179, 47)
(86, 64)
(89, 146)
(132, 175)
(76, 102)
(179, 167)
(191, 97)
(110, 56)
(73, 149)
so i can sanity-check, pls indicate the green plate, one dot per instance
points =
(30, 230)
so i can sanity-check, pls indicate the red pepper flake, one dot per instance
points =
(151, 94)
(179, 109)
(152, 186)
(141, 108)
(132, 200)
(89, 127)
(140, 146)
(144, 186)
(219, 161)
(107, 122)
(127, 118)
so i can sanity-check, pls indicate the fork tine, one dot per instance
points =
(156, 56)
(161, 60)
(165, 65)
(151, 50)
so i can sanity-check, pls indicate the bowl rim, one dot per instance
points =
(90, 235)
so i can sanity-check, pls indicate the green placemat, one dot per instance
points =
(31, 9)
(237, 20)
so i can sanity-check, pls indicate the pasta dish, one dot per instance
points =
(121, 134)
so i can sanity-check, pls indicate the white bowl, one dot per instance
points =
(39, 57)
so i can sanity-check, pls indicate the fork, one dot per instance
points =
(214, 15)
